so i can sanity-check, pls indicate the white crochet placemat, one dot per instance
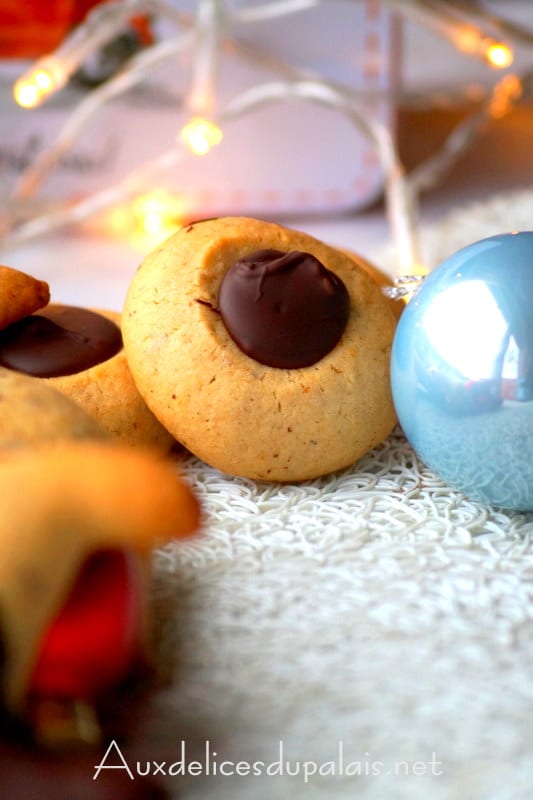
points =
(369, 632)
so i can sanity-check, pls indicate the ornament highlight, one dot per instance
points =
(462, 371)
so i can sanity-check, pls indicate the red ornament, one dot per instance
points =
(95, 638)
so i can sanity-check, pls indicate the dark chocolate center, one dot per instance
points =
(284, 310)
(58, 340)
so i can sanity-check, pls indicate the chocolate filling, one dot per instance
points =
(58, 340)
(284, 310)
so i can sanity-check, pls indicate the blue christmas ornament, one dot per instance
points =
(462, 371)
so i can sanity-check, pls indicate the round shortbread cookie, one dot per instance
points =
(108, 393)
(79, 353)
(33, 414)
(59, 505)
(239, 415)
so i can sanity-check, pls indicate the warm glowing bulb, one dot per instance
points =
(158, 214)
(470, 40)
(498, 54)
(43, 78)
(26, 93)
(200, 135)
(148, 219)
(153, 223)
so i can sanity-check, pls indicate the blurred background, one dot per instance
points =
(303, 159)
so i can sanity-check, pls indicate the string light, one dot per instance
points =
(201, 135)
(26, 93)
(45, 77)
(101, 25)
(471, 41)
(148, 219)
(504, 94)
(470, 28)
(454, 24)
(498, 54)
(138, 67)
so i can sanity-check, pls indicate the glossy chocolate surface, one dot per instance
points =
(284, 310)
(59, 340)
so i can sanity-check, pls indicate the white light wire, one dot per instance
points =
(400, 200)
(274, 9)
(481, 16)
(209, 23)
(138, 66)
(100, 26)
(401, 192)
(134, 72)
(427, 174)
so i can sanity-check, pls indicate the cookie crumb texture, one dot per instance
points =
(234, 413)
(33, 414)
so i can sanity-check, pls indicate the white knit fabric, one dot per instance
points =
(375, 611)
